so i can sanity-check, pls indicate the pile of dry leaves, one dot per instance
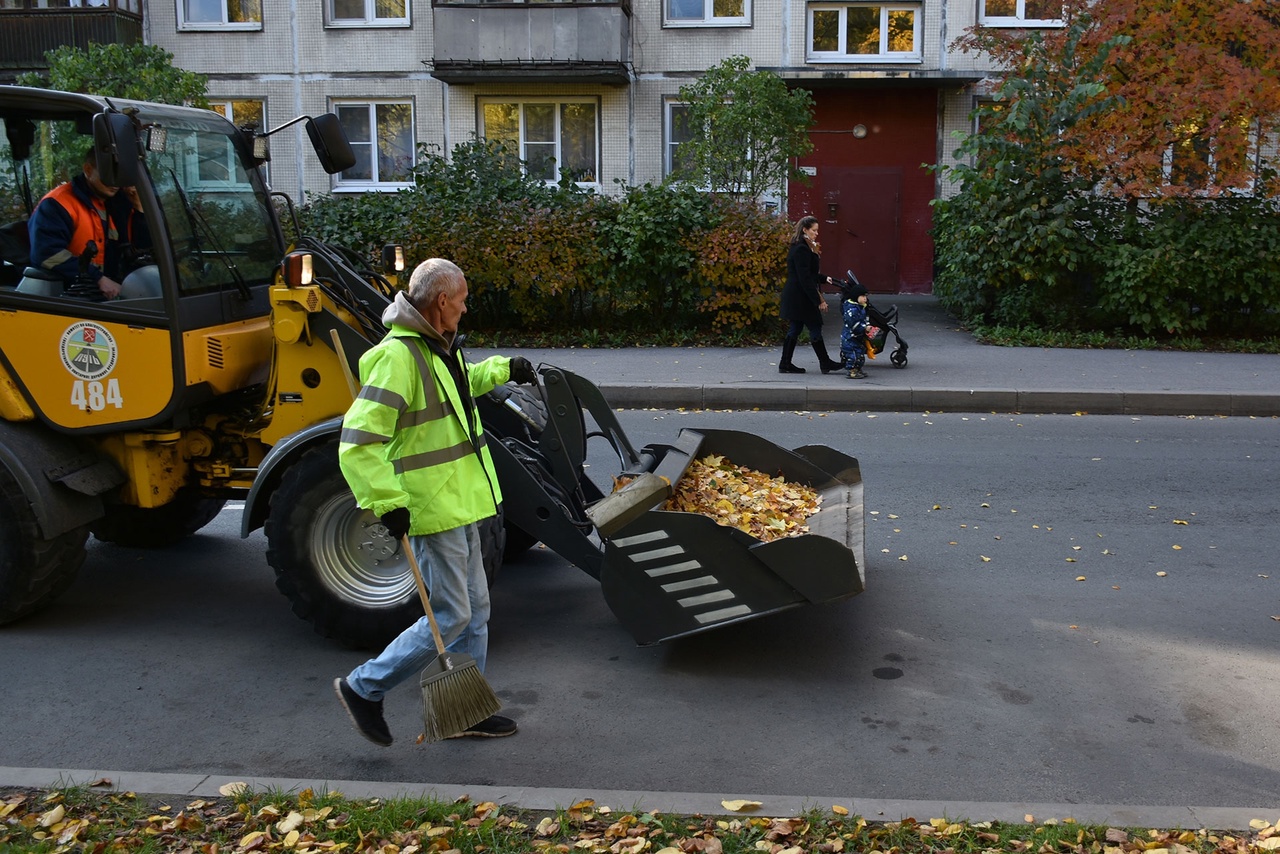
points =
(739, 497)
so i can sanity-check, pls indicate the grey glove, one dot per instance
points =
(522, 371)
(396, 522)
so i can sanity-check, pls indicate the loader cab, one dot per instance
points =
(192, 325)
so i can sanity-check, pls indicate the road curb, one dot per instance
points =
(865, 398)
(680, 803)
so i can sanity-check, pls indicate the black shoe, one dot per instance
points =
(365, 714)
(494, 726)
(830, 367)
(790, 369)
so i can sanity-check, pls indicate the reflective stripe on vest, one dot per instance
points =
(361, 437)
(436, 408)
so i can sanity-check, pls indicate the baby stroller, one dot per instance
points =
(880, 324)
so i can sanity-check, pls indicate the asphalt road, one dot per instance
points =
(975, 666)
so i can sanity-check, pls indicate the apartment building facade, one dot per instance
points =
(591, 90)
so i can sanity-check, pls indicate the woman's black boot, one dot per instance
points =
(824, 361)
(788, 350)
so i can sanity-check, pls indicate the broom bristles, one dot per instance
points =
(456, 699)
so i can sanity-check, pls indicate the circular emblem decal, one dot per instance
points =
(88, 351)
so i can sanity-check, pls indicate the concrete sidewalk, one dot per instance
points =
(946, 370)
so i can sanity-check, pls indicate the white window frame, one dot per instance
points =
(521, 102)
(669, 110)
(224, 24)
(709, 18)
(228, 112)
(884, 55)
(341, 184)
(370, 18)
(770, 201)
(1019, 18)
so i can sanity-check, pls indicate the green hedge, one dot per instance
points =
(559, 259)
(1195, 267)
(1178, 267)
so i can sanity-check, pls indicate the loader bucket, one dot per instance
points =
(670, 574)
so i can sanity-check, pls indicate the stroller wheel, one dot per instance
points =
(898, 358)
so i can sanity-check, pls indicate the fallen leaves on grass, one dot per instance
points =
(85, 820)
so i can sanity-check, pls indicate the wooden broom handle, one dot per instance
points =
(346, 366)
(422, 592)
(404, 541)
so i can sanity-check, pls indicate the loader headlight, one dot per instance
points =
(157, 139)
(393, 257)
(296, 268)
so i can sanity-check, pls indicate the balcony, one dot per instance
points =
(559, 42)
(28, 28)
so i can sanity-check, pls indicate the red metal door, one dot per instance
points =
(861, 213)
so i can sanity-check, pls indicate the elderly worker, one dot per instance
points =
(413, 450)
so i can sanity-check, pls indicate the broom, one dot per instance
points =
(455, 695)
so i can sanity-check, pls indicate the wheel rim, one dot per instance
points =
(356, 559)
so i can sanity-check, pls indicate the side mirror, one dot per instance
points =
(22, 136)
(115, 141)
(330, 142)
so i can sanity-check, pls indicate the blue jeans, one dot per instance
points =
(453, 567)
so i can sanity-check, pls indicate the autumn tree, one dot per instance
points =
(137, 71)
(1191, 87)
(745, 128)
(1124, 175)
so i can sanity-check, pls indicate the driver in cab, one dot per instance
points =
(73, 232)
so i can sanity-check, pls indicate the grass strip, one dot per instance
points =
(84, 819)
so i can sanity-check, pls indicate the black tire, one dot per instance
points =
(898, 358)
(335, 562)
(33, 570)
(519, 541)
(158, 527)
(494, 537)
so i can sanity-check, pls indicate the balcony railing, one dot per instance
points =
(541, 40)
(29, 28)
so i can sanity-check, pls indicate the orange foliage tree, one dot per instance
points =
(1189, 93)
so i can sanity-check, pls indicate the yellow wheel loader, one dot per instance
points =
(222, 372)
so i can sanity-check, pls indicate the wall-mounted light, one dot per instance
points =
(859, 131)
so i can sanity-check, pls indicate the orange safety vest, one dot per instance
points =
(89, 222)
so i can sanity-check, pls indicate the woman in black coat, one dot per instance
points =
(802, 302)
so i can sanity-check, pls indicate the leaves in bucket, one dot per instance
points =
(765, 507)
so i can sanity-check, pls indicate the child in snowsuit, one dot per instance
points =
(854, 335)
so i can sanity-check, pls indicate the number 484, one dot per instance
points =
(92, 396)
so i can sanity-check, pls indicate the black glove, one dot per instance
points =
(522, 371)
(396, 522)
